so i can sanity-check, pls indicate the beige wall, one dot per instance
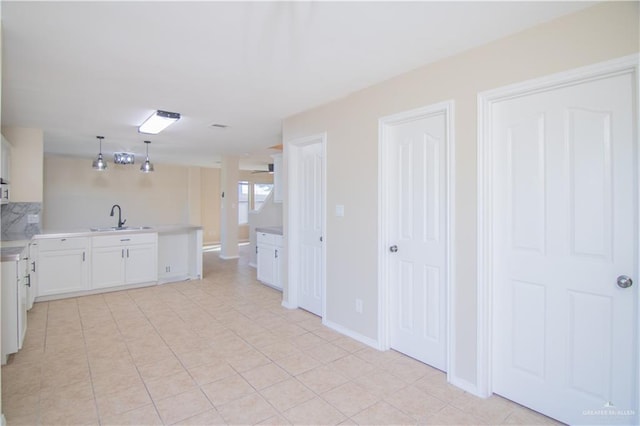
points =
(603, 32)
(78, 197)
(26, 163)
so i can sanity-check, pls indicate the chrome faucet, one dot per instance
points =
(120, 221)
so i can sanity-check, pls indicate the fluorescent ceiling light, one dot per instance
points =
(158, 121)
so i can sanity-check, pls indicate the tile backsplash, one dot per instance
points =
(14, 217)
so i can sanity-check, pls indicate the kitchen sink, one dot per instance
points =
(122, 228)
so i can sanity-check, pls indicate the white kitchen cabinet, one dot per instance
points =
(63, 265)
(5, 192)
(123, 259)
(14, 306)
(5, 164)
(5, 160)
(268, 255)
(32, 274)
(277, 178)
(173, 257)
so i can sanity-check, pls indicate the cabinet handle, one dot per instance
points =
(127, 253)
(28, 281)
(276, 253)
(83, 256)
(33, 266)
(256, 249)
(126, 239)
(123, 253)
(63, 239)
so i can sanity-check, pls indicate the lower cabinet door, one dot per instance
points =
(265, 260)
(107, 267)
(9, 309)
(62, 271)
(277, 269)
(141, 263)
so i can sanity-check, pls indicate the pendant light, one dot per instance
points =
(99, 164)
(146, 166)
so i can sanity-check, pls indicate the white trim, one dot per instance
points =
(291, 155)
(446, 107)
(463, 384)
(350, 333)
(228, 257)
(486, 100)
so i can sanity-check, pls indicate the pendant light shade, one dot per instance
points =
(99, 163)
(146, 167)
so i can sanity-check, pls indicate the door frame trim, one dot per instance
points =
(485, 103)
(292, 160)
(384, 177)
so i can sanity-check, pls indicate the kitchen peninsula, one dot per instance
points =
(80, 262)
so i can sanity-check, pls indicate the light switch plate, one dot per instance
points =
(339, 210)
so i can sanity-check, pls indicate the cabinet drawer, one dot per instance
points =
(124, 239)
(47, 244)
(266, 238)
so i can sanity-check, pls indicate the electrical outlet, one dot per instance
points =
(33, 218)
(359, 306)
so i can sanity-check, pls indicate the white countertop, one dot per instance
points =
(270, 229)
(160, 229)
(11, 254)
(12, 244)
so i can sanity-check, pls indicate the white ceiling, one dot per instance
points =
(81, 69)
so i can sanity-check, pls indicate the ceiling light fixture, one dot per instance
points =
(146, 166)
(99, 164)
(124, 158)
(158, 121)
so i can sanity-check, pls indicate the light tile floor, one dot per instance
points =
(219, 351)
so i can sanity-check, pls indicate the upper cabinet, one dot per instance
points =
(5, 164)
(277, 178)
(5, 171)
(26, 147)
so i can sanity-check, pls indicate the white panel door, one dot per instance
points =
(310, 214)
(417, 229)
(565, 226)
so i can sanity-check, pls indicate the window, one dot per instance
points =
(251, 196)
(243, 203)
(260, 193)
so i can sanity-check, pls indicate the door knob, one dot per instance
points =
(393, 248)
(624, 281)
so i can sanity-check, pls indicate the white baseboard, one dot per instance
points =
(350, 333)
(229, 257)
(465, 386)
(286, 304)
